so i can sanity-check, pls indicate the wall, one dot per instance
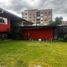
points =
(41, 33)
(5, 27)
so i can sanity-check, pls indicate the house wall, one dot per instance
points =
(40, 33)
(5, 27)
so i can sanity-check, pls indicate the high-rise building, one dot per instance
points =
(38, 16)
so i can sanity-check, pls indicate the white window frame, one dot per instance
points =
(5, 19)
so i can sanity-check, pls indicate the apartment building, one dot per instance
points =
(38, 16)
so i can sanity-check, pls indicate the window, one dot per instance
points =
(45, 20)
(34, 17)
(38, 14)
(3, 20)
(45, 13)
(25, 13)
(25, 17)
(41, 12)
(50, 12)
(38, 21)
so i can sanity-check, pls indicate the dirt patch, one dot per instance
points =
(39, 64)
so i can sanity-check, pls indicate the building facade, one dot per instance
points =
(38, 16)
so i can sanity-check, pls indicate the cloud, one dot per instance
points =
(59, 6)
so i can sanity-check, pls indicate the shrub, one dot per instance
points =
(65, 38)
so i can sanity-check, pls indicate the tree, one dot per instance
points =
(58, 21)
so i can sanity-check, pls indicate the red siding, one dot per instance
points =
(43, 33)
(5, 27)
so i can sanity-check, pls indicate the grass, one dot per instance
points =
(31, 54)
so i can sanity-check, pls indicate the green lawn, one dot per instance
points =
(30, 54)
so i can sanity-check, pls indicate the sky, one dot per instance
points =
(59, 7)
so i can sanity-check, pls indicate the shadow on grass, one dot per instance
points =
(21, 63)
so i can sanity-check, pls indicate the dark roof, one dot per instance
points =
(12, 16)
(6, 13)
(37, 27)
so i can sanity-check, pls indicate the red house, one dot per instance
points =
(7, 21)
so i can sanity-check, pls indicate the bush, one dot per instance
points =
(65, 38)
